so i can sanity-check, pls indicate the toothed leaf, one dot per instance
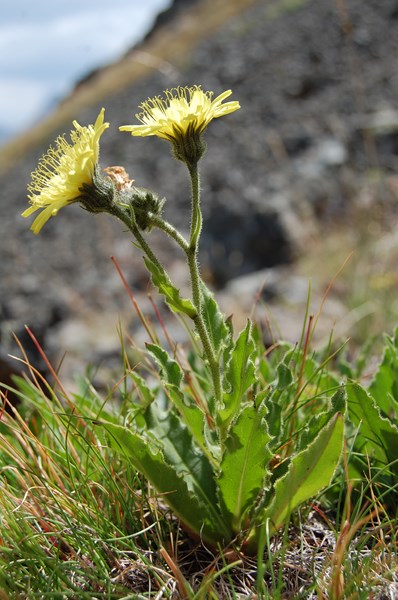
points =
(172, 294)
(308, 473)
(244, 464)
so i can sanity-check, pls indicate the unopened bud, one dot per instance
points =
(145, 204)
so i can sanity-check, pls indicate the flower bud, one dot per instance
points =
(98, 196)
(190, 147)
(145, 204)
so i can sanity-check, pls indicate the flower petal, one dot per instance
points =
(183, 111)
(63, 170)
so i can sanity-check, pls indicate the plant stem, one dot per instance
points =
(170, 230)
(192, 256)
(196, 217)
(196, 227)
(191, 251)
(129, 221)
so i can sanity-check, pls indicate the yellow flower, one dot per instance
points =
(181, 117)
(63, 170)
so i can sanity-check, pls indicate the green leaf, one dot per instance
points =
(178, 491)
(309, 471)
(218, 328)
(320, 378)
(339, 400)
(172, 376)
(193, 417)
(172, 294)
(384, 387)
(244, 464)
(171, 371)
(277, 397)
(377, 435)
(285, 377)
(318, 421)
(240, 376)
(146, 394)
(180, 451)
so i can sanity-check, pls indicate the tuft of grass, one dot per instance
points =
(75, 520)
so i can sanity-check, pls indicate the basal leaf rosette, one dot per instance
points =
(63, 171)
(181, 117)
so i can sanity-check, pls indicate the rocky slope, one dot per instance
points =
(318, 87)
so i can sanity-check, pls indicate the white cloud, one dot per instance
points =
(72, 41)
(98, 36)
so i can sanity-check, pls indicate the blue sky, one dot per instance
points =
(47, 45)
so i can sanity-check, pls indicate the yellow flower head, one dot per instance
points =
(63, 170)
(182, 115)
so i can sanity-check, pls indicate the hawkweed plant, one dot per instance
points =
(232, 438)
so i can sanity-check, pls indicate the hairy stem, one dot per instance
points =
(129, 221)
(193, 263)
(191, 250)
(170, 230)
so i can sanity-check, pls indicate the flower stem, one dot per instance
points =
(196, 228)
(170, 230)
(129, 221)
(196, 222)
(192, 256)
(191, 251)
